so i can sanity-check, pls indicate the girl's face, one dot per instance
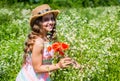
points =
(48, 22)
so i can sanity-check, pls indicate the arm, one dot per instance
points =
(37, 59)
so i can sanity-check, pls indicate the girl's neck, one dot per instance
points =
(44, 38)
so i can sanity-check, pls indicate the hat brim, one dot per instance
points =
(33, 18)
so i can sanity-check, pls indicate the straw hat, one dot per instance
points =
(41, 11)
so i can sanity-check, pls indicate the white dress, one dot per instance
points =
(27, 72)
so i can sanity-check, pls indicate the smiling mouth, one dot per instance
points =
(51, 27)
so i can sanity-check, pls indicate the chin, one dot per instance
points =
(50, 30)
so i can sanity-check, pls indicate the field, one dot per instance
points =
(93, 35)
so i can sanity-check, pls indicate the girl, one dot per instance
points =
(37, 60)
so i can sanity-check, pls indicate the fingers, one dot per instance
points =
(75, 64)
(67, 59)
(66, 63)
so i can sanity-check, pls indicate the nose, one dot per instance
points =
(51, 21)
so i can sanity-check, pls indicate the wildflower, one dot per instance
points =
(58, 47)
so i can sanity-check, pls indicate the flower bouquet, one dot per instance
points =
(59, 49)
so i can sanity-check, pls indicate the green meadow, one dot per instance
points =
(93, 35)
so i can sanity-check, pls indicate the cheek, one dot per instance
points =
(54, 22)
(43, 24)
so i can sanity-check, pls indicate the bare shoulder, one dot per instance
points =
(37, 48)
(39, 42)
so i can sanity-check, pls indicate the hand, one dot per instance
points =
(75, 64)
(65, 62)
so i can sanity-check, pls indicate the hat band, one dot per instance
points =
(43, 11)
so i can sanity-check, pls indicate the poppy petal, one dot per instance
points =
(65, 46)
(49, 48)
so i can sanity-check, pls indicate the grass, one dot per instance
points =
(93, 34)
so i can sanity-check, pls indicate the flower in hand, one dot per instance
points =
(58, 47)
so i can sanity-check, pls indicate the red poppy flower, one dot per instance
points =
(49, 48)
(64, 46)
(59, 47)
(61, 52)
(56, 46)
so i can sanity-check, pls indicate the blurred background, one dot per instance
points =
(91, 27)
(65, 3)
